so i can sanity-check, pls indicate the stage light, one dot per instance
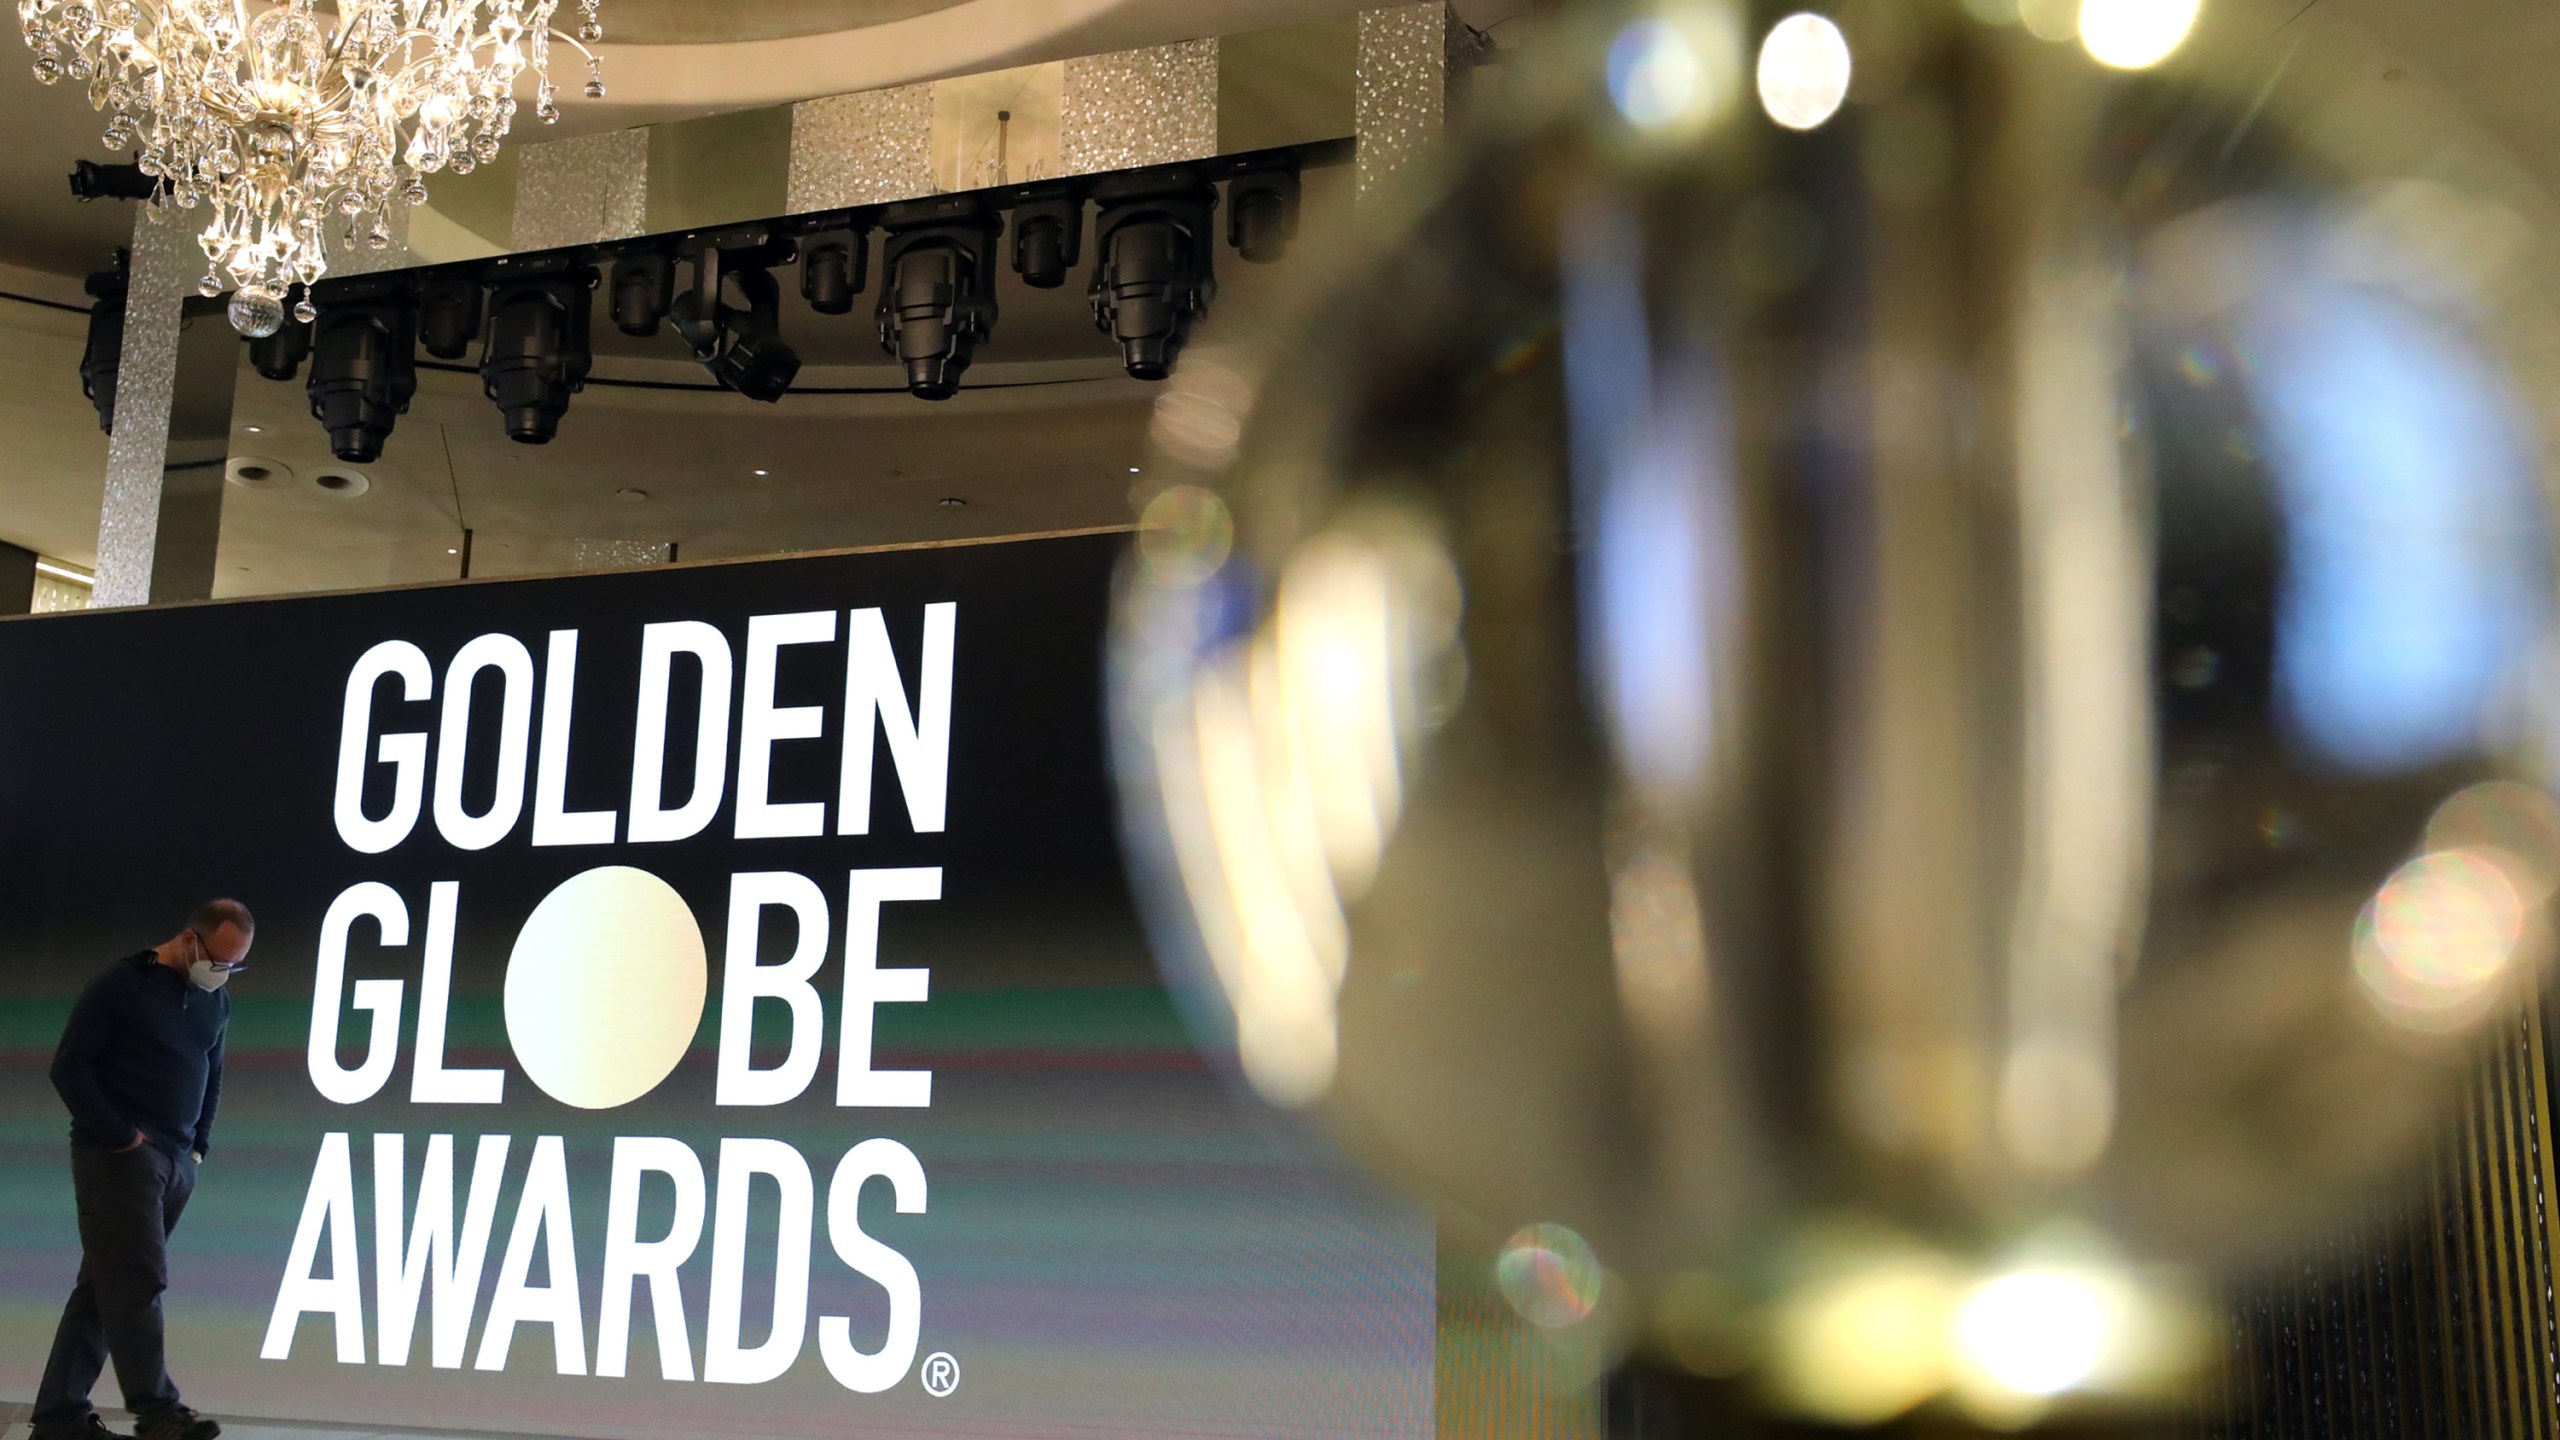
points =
(834, 266)
(536, 356)
(643, 286)
(1262, 211)
(1048, 239)
(93, 181)
(363, 369)
(278, 355)
(938, 289)
(448, 315)
(103, 355)
(1156, 275)
(739, 343)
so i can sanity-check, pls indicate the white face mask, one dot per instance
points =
(201, 971)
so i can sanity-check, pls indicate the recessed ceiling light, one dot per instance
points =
(256, 472)
(628, 492)
(1133, 469)
(764, 472)
(449, 550)
(254, 430)
(951, 502)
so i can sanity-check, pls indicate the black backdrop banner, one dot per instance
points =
(689, 1002)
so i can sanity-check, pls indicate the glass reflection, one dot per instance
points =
(1999, 659)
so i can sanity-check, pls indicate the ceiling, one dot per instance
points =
(692, 22)
(1043, 437)
(670, 59)
(838, 472)
(56, 460)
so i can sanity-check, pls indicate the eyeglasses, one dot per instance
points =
(224, 967)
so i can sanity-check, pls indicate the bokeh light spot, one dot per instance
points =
(2135, 34)
(1550, 1275)
(2037, 1332)
(2519, 822)
(1804, 71)
(1184, 535)
(1655, 75)
(2431, 945)
(1866, 1340)
(2054, 20)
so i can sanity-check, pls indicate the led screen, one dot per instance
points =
(693, 1002)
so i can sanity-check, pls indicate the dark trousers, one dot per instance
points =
(129, 1203)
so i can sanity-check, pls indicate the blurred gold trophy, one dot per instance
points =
(1878, 697)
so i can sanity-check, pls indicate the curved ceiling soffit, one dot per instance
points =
(962, 38)
(691, 22)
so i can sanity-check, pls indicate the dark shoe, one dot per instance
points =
(175, 1423)
(91, 1429)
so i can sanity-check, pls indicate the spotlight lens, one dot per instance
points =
(1804, 71)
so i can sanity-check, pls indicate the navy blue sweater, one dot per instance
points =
(142, 1051)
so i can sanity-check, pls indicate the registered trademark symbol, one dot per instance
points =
(941, 1373)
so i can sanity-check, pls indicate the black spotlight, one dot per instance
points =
(448, 315)
(1156, 274)
(835, 264)
(93, 181)
(104, 354)
(363, 365)
(644, 283)
(536, 354)
(1048, 239)
(1262, 211)
(731, 312)
(937, 289)
(279, 355)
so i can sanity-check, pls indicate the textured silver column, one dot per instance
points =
(192, 472)
(862, 149)
(1141, 107)
(620, 554)
(582, 190)
(1409, 56)
(166, 262)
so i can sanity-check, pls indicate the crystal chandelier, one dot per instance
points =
(277, 116)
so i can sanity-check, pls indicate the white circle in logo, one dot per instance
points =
(605, 987)
(941, 1374)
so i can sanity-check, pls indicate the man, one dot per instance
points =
(140, 1067)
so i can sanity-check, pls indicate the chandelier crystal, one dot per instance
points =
(281, 117)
